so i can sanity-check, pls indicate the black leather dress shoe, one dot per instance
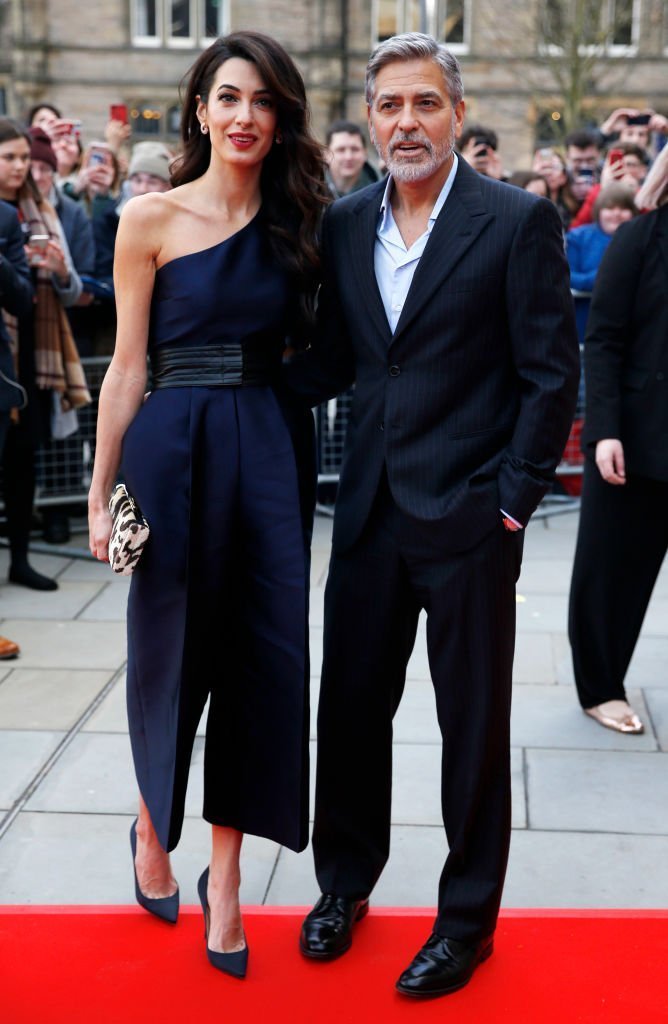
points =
(327, 931)
(443, 966)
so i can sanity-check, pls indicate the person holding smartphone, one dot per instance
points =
(46, 356)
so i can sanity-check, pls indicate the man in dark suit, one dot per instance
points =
(16, 296)
(445, 296)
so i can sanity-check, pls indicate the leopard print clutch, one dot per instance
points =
(129, 531)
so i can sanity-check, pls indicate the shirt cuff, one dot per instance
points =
(520, 526)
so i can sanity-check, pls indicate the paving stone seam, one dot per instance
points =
(38, 778)
(96, 595)
(265, 896)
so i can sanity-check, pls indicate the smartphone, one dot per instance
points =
(639, 119)
(38, 242)
(118, 112)
(482, 142)
(546, 153)
(96, 157)
(586, 173)
(615, 155)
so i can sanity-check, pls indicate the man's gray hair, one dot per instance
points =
(415, 46)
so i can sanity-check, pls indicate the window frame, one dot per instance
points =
(163, 38)
(435, 16)
(603, 49)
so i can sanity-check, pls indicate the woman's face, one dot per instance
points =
(14, 166)
(66, 148)
(537, 187)
(240, 114)
(555, 174)
(611, 217)
(44, 119)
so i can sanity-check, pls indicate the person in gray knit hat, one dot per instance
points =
(149, 168)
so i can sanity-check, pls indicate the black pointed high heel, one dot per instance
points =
(164, 907)
(231, 963)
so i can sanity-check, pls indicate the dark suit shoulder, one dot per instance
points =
(356, 201)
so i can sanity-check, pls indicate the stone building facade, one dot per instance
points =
(84, 57)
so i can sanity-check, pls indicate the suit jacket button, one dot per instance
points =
(394, 371)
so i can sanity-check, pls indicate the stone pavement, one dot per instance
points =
(590, 811)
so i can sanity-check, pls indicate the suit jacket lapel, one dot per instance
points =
(362, 242)
(457, 226)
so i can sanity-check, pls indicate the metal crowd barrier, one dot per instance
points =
(64, 467)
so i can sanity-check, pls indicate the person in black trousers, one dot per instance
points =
(445, 296)
(16, 295)
(623, 530)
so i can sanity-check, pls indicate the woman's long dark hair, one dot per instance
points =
(10, 130)
(294, 192)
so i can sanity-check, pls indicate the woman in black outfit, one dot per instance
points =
(623, 531)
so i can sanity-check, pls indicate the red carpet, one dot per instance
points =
(116, 965)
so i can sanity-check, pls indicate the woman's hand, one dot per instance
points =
(610, 460)
(54, 259)
(99, 531)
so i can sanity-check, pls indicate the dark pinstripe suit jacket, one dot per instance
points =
(470, 402)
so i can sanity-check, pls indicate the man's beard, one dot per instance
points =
(424, 163)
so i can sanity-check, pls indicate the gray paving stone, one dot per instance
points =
(50, 565)
(64, 603)
(63, 644)
(656, 619)
(552, 717)
(416, 785)
(22, 754)
(545, 576)
(97, 572)
(111, 715)
(649, 664)
(109, 606)
(410, 877)
(576, 869)
(657, 705)
(542, 613)
(415, 721)
(598, 791)
(534, 659)
(95, 775)
(47, 698)
(85, 858)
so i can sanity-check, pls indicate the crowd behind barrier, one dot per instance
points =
(592, 179)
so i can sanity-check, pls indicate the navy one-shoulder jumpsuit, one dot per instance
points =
(218, 602)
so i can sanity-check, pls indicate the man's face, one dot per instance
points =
(346, 155)
(635, 135)
(412, 121)
(141, 183)
(578, 159)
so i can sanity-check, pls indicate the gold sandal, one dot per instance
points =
(617, 715)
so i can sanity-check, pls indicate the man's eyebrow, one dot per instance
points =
(426, 94)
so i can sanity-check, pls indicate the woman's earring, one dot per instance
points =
(278, 138)
(203, 128)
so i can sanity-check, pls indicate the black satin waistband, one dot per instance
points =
(209, 366)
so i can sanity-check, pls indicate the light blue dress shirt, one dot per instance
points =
(393, 262)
